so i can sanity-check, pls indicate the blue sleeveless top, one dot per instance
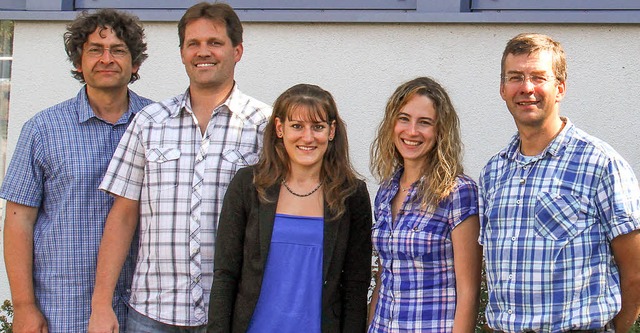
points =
(291, 295)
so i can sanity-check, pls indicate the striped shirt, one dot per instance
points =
(60, 159)
(546, 225)
(417, 292)
(179, 176)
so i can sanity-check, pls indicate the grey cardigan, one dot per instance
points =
(242, 246)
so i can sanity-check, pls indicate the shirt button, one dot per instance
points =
(522, 180)
(510, 276)
(518, 202)
(513, 238)
(525, 167)
(509, 311)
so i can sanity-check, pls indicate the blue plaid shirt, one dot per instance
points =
(60, 159)
(546, 225)
(418, 286)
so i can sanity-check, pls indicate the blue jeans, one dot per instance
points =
(138, 323)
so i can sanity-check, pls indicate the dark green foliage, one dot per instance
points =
(6, 316)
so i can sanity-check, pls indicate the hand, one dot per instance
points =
(29, 319)
(103, 320)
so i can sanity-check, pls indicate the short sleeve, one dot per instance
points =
(24, 181)
(464, 201)
(618, 199)
(125, 174)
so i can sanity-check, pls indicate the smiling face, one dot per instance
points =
(305, 139)
(208, 54)
(414, 132)
(532, 105)
(104, 71)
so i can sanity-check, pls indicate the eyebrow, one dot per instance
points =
(541, 71)
(419, 118)
(207, 40)
(308, 121)
(108, 45)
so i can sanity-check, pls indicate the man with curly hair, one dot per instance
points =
(55, 213)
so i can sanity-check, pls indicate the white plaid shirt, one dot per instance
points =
(179, 177)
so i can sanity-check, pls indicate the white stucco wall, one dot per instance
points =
(361, 64)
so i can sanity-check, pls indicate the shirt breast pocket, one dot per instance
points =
(560, 216)
(421, 246)
(163, 168)
(240, 158)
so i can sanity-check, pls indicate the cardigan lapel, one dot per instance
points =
(266, 216)
(329, 241)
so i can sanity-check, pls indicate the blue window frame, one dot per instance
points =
(254, 4)
(595, 5)
(401, 11)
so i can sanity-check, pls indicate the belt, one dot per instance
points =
(599, 330)
(606, 329)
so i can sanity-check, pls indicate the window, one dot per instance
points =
(252, 4)
(594, 5)
(6, 43)
(362, 11)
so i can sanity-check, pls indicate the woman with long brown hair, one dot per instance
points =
(293, 245)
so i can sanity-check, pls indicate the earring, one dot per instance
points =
(279, 134)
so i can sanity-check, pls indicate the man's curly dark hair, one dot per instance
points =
(126, 27)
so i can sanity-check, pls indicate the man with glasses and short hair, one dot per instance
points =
(55, 213)
(559, 211)
(169, 176)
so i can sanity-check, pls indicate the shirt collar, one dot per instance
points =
(85, 112)
(234, 103)
(555, 148)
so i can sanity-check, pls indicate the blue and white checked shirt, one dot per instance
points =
(546, 227)
(417, 292)
(60, 159)
(180, 177)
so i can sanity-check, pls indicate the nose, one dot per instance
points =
(412, 128)
(527, 86)
(203, 50)
(106, 56)
(307, 134)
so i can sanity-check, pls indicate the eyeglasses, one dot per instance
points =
(536, 79)
(98, 51)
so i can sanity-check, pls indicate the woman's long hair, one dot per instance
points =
(443, 162)
(337, 174)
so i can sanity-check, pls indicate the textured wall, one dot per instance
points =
(361, 64)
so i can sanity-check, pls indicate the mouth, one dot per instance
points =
(527, 103)
(207, 64)
(306, 148)
(107, 72)
(411, 142)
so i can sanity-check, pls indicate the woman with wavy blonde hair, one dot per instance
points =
(293, 250)
(426, 213)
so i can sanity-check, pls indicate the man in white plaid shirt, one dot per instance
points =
(170, 172)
